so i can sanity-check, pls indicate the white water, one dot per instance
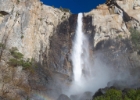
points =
(88, 76)
(80, 55)
(90, 72)
(77, 60)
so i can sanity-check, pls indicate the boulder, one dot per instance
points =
(63, 97)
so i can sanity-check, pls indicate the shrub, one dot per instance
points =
(20, 62)
(135, 37)
(100, 98)
(114, 94)
(111, 94)
(41, 3)
(18, 1)
(133, 94)
(64, 9)
(120, 36)
(53, 6)
(40, 19)
(2, 45)
(14, 62)
(26, 64)
(17, 55)
(13, 49)
(18, 59)
(63, 17)
(22, 37)
(14, 52)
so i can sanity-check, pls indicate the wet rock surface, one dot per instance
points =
(58, 58)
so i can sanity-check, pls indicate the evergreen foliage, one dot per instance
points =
(64, 9)
(135, 38)
(18, 60)
(114, 94)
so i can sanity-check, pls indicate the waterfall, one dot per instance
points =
(77, 60)
(80, 54)
(88, 75)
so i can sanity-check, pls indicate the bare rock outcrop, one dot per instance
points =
(27, 25)
(112, 19)
(112, 23)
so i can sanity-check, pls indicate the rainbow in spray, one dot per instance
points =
(38, 96)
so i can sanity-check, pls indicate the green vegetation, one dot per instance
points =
(18, 60)
(114, 94)
(111, 94)
(22, 37)
(18, 1)
(133, 94)
(53, 6)
(63, 17)
(135, 37)
(41, 3)
(2, 45)
(120, 36)
(1, 15)
(2, 48)
(64, 9)
(40, 19)
(17, 14)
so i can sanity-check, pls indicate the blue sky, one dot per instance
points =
(75, 6)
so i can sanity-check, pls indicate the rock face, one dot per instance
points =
(58, 58)
(31, 24)
(45, 34)
(112, 22)
(31, 27)
(63, 97)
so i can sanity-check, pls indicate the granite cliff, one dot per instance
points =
(44, 34)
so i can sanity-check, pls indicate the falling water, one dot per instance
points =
(77, 60)
(90, 73)
(88, 76)
(80, 54)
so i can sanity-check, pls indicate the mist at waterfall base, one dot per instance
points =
(90, 73)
